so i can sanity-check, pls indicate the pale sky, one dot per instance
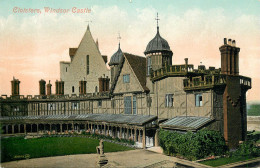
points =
(32, 45)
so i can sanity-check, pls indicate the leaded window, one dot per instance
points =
(198, 100)
(128, 105)
(126, 78)
(169, 100)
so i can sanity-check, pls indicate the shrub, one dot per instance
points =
(247, 148)
(192, 145)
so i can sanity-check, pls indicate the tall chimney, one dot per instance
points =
(49, 88)
(229, 58)
(15, 87)
(42, 91)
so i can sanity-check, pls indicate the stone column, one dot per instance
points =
(144, 138)
(156, 138)
(12, 129)
(120, 134)
(72, 126)
(60, 127)
(139, 136)
(19, 130)
(44, 128)
(135, 139)
(37, 128)
(24, 127)
(105, 130)
(127, 133)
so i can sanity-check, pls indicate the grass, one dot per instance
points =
(17, 148)
(223, 161)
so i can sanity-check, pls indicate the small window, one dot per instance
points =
(169, 100)
(72, 89)
(51, 106)
(126, 78)
(66, 69)
(96, 89)
(99, 103)
(198, 100)
(149, 65)
(134, 105)
(87, 64)
(75, 105)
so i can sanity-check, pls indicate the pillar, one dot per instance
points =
(12, 129)
(24, 127)
(144, 143)
(105, 130)
(19, 129)
(135, 139)
(127, 133)
(60, 127)
(156, 138)
(120, 133)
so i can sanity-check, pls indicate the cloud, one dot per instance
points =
(32, 46)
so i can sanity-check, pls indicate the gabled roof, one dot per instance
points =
(186, 123)
(138, 64)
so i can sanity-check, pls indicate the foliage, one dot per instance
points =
(247, 149)
(16, 148)
(253, 110)
(253, 136)
(192, 145)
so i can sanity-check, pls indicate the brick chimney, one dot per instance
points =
(15, 83)
(49, 88)
(42, 90)
(229, 57)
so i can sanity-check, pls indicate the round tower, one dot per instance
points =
(114, 62)
(158, 53)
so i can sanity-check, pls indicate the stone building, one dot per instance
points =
(87, 64)
(143, 95)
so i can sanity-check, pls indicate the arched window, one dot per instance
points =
(96, 89)
(72, 89)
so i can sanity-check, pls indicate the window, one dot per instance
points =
(51, 106)
(75, 105)
(99, 103)
(96, 89)
(134, 104)
(149, 63)
(126, 78)
(66, 69)
(87, 64)
(72, 89)
(169, 100)
(128, 104)
(198, 100)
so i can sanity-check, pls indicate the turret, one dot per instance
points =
(15, 87)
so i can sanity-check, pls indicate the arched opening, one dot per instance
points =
(28, 128)
(16, 129)
(4, 129)
(34, 128)
(9, 129)
(21, 128)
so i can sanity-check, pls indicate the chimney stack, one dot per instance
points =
(15, 87)
(49, 88)
(186, 64)
(229, 58)
(225, 41)
(82, 87)
(42, 91)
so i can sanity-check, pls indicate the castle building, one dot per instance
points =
(87, 64)
(143, 95)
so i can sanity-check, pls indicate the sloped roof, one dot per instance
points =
(110, 118)
(138, 64)
(116, 57)
(186, 123)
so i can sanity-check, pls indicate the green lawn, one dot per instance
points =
(223, 161)
(254, 110)
(17, 147)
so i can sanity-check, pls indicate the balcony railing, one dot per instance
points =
(208, 81)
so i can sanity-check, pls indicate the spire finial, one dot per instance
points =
(119, 38)
(157, 19)
(88, 21)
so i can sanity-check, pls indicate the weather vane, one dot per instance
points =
(157, 19)
(119, 37)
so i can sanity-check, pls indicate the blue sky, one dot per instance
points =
(194, 29)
